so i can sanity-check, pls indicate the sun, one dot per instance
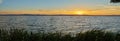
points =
(79, 12)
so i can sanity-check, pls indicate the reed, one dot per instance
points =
(91, 35)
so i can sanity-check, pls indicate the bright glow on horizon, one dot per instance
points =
(79, 12)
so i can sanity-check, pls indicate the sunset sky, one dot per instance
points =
(60, 7)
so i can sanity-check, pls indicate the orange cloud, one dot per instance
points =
(109, 10)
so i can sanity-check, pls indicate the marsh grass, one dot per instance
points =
(91, 35)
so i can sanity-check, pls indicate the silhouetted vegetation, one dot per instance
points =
(22, 35)
(115, 1)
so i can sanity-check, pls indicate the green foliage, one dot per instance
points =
(22, 35)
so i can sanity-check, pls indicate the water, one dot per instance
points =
(61, 23)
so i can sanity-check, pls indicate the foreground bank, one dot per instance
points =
(92, 35)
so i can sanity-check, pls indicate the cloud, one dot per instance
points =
(108, 10)
(0, 1)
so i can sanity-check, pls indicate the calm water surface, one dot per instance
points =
(61, 23)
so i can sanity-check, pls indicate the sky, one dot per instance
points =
(60, 7)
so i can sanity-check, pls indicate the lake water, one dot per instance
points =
(61, 23)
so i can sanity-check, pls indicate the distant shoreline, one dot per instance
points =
(49, 15)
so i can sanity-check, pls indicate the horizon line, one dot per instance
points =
(50, 15)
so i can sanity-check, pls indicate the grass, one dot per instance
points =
(92, 35)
